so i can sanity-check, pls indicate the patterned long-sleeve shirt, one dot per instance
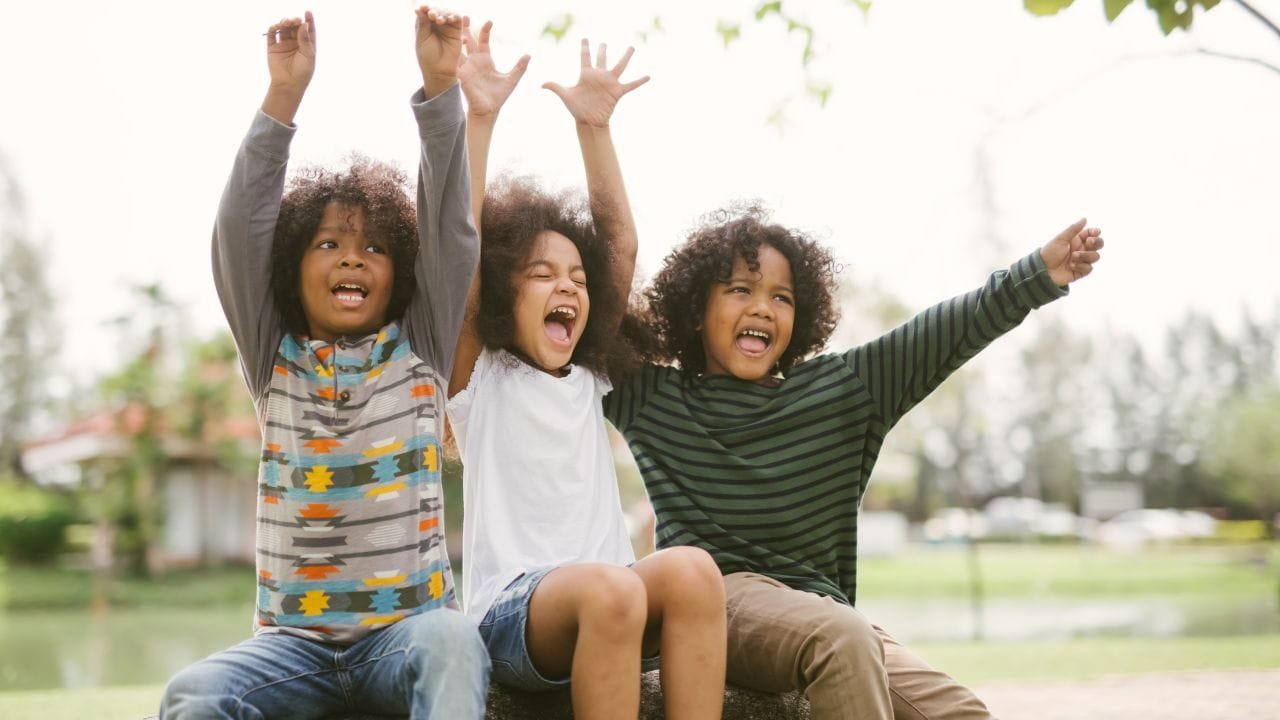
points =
(350, 532)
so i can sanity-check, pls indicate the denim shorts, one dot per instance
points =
(503, 632)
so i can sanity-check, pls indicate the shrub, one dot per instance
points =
(33, 522)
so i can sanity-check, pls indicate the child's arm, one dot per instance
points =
(486, 91)
(591, 102)
(903, 366)
(447, 247)
(291, 60)
(245, 226)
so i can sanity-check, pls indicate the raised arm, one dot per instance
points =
(591, 102)
(903, 366)
(245, 226)
(291, 60)
(447, 248)
(486, 91)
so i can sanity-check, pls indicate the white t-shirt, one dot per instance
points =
(539, 486)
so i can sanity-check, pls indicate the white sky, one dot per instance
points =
(121, 121)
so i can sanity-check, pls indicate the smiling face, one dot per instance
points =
(345, 278)
(551, 304)
(748, 321)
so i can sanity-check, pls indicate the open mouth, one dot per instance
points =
(349, 293)
(754, 342)
(559, 323)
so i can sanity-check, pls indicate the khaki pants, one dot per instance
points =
(782, 639)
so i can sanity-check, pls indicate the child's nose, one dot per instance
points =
(352, 259)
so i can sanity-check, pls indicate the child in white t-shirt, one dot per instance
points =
(549, 573)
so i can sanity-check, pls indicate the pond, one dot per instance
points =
(131, 647)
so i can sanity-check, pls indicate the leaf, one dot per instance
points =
(767, 8)
(557, 28)
(1046, 7)
(1113, 8)
(821, 91)
(863, 5)
(729, 31)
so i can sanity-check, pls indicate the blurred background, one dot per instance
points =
(1096, 494)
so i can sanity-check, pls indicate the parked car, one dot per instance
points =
(1136, 528)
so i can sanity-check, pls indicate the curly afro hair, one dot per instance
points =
(516, 212)
(677, 296)
(378, 188)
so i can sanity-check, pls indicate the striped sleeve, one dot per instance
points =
(632, 393)
(903, 366)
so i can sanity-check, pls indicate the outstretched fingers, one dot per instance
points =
(628, 87)
(558, 89)
(517, 71)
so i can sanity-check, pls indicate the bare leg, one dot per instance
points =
(686, 622)
(587, 621)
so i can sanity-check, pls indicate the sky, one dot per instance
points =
(957, 137)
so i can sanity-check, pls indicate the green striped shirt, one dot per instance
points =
(769, 479)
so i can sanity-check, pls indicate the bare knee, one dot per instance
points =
(688, 576)
(612, 600)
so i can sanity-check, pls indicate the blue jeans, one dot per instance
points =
(431, 666)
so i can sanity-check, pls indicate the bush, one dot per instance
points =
(33, 522)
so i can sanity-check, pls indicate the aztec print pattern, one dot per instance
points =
(350, 534)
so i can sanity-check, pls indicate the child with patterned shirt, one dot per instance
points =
(761, 457)
(550, 575)
(345, 318)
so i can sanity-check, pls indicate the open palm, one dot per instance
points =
(593, 99)
(486, 89)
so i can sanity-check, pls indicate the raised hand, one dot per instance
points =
(1071, 255)
(486, 89)
(438, 43)
(291, 52)
(592, 100)
(291, 61)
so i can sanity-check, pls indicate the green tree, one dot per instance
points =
(139, 394)
(26, 324)
(1171, 14)
(1244, 452)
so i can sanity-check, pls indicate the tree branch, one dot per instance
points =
(1259, 16)
(1239, 58)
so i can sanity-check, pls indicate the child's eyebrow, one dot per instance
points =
(755, 279)
(548, 265)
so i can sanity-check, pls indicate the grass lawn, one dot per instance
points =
(51, 588)
(1008, 571)
(1073, 571)
(972, 664)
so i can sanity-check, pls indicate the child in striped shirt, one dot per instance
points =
(549, 573)
(761, 456)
